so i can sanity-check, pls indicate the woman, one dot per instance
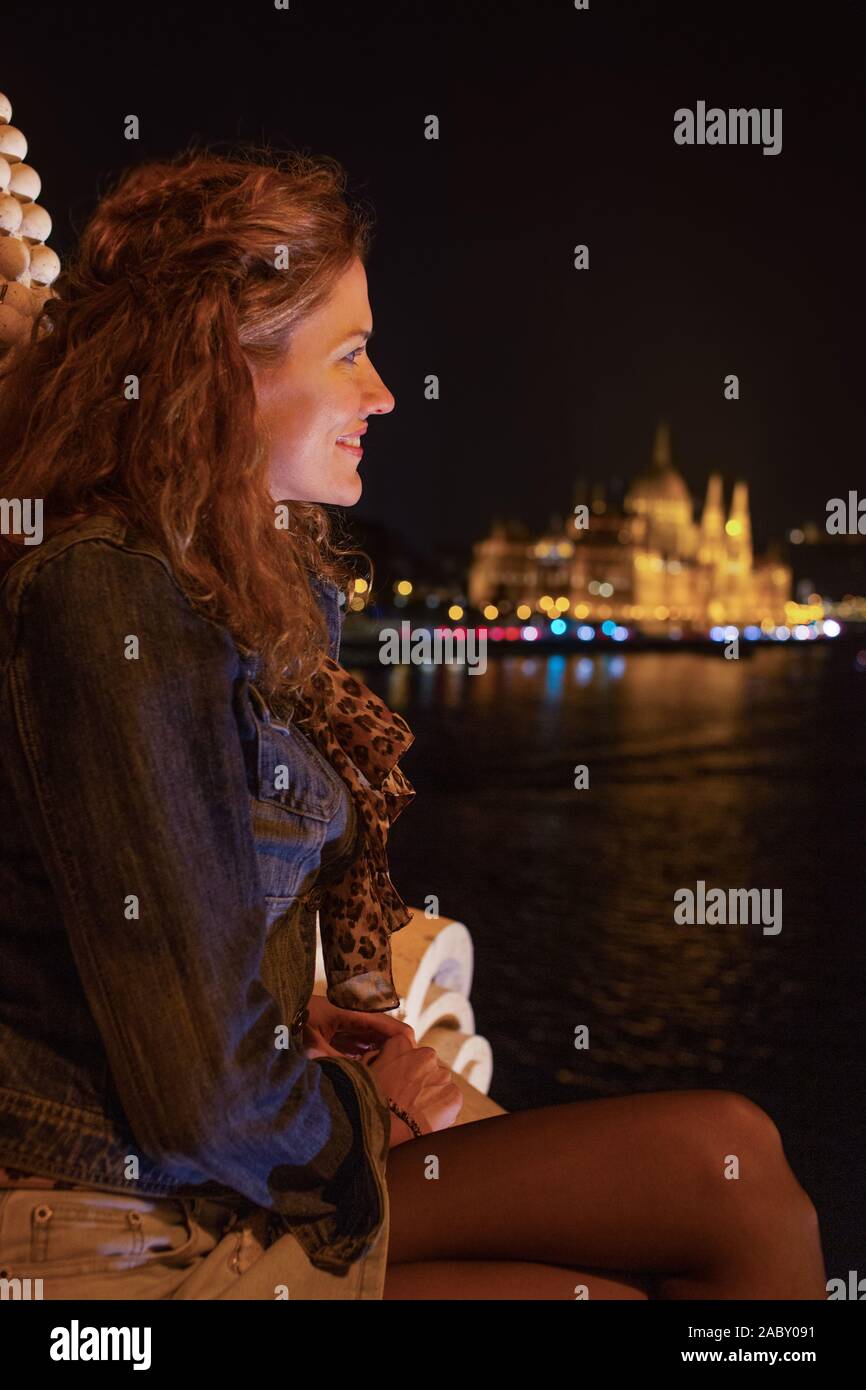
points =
(189, 774)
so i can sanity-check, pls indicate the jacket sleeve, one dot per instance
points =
(123, 699)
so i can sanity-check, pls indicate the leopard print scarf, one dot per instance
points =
(362, 739)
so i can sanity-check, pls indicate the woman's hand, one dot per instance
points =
(333, 1032)
(419, 1083)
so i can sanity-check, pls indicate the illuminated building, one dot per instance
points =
(648, 562)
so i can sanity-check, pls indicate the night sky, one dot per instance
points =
(556, 129)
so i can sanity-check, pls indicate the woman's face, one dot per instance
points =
(324, 388)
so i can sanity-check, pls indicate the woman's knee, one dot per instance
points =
(739, 1140)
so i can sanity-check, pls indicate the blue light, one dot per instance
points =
(620, 634)
(752, 633)
(585, 633)
(554, 675)
(559, 626)
(529, 634)
(717, 634)
(608, 627)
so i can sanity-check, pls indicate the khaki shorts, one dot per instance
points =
(87, 1244)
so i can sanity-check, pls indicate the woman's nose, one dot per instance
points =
(379, 399)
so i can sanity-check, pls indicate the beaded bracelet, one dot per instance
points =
(404, 1116)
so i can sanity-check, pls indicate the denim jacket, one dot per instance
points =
(157, 924)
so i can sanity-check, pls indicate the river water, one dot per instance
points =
(744, 774)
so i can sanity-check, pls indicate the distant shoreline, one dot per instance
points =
(365, 651)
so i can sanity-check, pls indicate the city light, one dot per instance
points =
(404, 586)
(455, 611)
(558, 626)
(585, 633)
(523, 611)
(529, 634)
(491, 611)
(361, 586)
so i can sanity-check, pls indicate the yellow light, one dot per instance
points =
(716, 610)
(545, 602)
(491, 611)
(356, 604)
(360, 586)
(581, 610)
(734, 528)
(767, 624)
(404, 587)
(523, 612)
(562, 604)
(455, 611)
(661, 612)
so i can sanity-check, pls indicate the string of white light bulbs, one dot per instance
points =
(28, 267)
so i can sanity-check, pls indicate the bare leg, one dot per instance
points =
(503, 1279)
(633, 1184)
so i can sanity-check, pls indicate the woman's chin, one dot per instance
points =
(344, 493)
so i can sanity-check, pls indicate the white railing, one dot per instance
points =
(432, 960)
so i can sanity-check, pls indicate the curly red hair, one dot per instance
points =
(175, 281)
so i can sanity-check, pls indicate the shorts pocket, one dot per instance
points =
(78, 1232)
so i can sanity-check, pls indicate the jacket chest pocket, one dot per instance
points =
(294, 796)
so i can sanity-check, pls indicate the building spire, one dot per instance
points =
(662, 446)
(713, 519)
(739, 526)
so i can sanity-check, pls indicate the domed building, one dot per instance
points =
(647, 562)
(660, 498)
